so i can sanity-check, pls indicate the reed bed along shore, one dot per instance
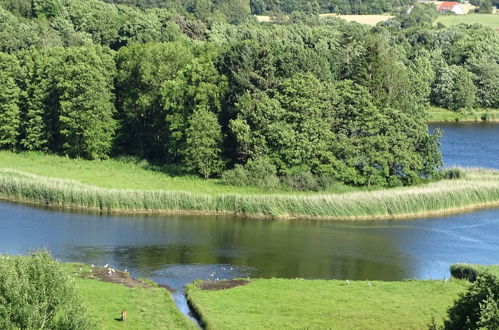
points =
(477, 188)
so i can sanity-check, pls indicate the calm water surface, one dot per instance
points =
(470, 144)
(177, 250)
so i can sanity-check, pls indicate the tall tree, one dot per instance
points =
(454, 88)
(197, 86)
(9, 101)
(203, 145)
(86, 119)
(142, 71)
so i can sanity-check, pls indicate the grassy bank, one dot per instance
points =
(148, 308)
(105, 296)
(477, 188)
(479, 115)
(126, 174)
(305, 304)
(489, 20)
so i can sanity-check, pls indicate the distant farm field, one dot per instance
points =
(489, 20)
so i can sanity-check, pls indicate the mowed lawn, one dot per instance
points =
(321, 304)
(489, 20)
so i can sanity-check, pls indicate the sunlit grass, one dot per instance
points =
(320, 304)
(478, 115)
(489, 20)
(477, 188)
(148, 308)
(125, 174)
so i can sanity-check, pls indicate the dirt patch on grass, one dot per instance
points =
(112, 275)
(115, 276)
(222, 285)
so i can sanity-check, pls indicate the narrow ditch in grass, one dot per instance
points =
(124, 278)
(211, 286)
(184, 306)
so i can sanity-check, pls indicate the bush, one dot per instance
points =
(471, 272)
(465, 271)
(36, 293)
(302, 181)
(238, 176)
(326, 181)
(452, 174)
(260, 173)
(478, 307)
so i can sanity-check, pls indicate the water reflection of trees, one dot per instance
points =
(274, 249)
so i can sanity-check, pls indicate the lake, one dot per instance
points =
(470, 144)
(177, 250)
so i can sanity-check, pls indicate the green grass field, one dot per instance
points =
(477, 188)
(148, 308)
(320, 304)
(444, 115)
(124, 175)
(485, 19)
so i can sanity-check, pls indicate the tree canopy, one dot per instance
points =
(201, 85)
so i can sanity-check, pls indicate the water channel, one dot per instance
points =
(177, 250)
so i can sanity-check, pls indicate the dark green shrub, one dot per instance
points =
(325, 181)
(238, 176)
(36, 293)
(262, 173)
(302, 181)
(478, 307)
(471, 272)
(465, 271)
(452, 173)
(259, 173)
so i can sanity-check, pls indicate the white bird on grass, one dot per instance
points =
(369, 283)
(348, 282)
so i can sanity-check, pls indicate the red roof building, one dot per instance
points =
(450, 7)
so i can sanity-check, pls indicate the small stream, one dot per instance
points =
(175, 251)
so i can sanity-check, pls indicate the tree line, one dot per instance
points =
(312, 96)
(259, 7)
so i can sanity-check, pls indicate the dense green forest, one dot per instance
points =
(308, 97)
(257, 7)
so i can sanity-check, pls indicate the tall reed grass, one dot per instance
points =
(471, 272)
(477, 188)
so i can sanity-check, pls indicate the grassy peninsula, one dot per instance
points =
(478, 115)
(320, 304)
(476, 188)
